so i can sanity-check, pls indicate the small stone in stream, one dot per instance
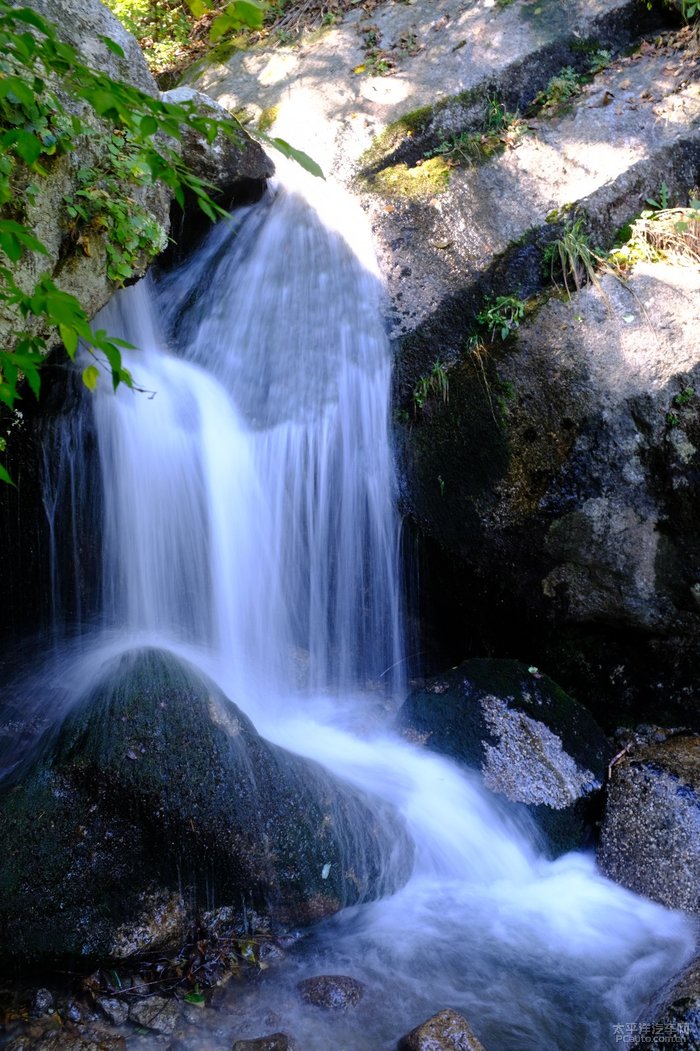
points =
(155, 1013)
(74, 1011)
(42, 1003)
(336, 991)
(445, 1031)
(274, 1042)
(115, 1011)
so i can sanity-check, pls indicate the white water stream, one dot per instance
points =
(250, 524)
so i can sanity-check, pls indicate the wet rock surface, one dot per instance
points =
(532, 743)
(445, 1031)
(650, 835)
(274, 1042)
(678, 1022)
(156, 792)
(333, 991)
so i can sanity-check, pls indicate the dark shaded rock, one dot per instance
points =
(70, 1040)
(156, 1013)
(336, 991)
(533, 743)
(570, 529)
(228, 163)
(157, 793)
(650, 836)
(445, 1031)
(115, 1011)
(274, 1042)
(43, 1002)
(235, 168)
(678, 1023)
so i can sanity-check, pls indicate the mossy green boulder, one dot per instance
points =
(155, 797)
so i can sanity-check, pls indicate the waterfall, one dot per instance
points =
(248, 521)
(265, 450)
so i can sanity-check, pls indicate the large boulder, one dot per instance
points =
(650, 836)
(156, 795)
(533, 744)
(556, 489)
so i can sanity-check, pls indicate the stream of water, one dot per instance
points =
(249, 523)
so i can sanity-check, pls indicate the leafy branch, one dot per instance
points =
(49, 102)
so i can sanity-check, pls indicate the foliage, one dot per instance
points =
(38, 73)
(671, 235)
(101, 205)
(435, 385)
(571, 258)
(501, 315)
(162, 28)
(499, 129)
(599, 60)
(560, 89)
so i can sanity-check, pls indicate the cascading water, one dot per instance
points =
(249, 522)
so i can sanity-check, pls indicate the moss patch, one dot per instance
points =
(426, 180)
(387, 142)
(267, 118)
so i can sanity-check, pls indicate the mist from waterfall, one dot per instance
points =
(249, 523)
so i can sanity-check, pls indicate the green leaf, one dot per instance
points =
(28, 147)
(31, 18)
(91, 374)
(148, 125)
(198, 8)
(19, 88)
(69, 338)
(247, 12)
(306, 162)
(219, 27)
(4, 477)
(113, 46)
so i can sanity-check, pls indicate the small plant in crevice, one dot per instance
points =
(105, 204)
(599, 60)
(679, 402)
(684, 397)
(501, 315)
(570, 258)
(664, 199)
(435, 384)
(561, 88)
(670, 235)
(498, 393)
(499, 130)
